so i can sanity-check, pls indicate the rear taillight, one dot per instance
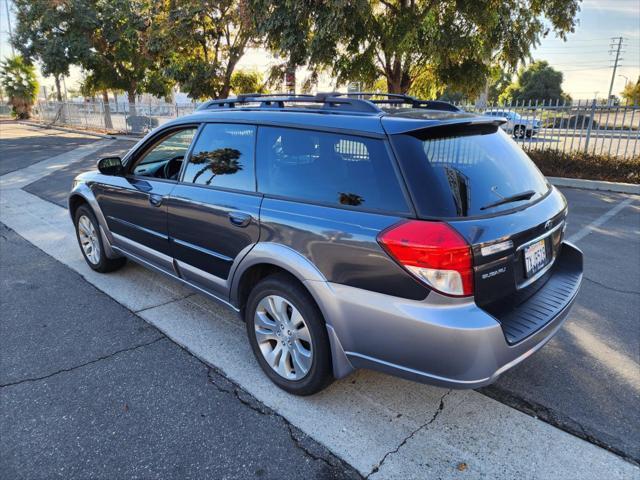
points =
(434, 252)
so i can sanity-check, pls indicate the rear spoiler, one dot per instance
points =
(447, 125)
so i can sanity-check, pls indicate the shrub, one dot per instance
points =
(588, 166)
(20, 84)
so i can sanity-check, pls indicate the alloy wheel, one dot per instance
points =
(89, 239)
(283, 337)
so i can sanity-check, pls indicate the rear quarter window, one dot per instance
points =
(459, 175)
(328, 168)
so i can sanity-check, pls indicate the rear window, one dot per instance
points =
(465, 174)
(328, 168)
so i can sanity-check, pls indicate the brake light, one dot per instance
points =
(433, 252)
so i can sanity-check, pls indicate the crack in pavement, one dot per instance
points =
(619, 290)
(410, 436)
(91, 362)
(225, 385)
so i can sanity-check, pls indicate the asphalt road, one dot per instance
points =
(586, 379)
(88, 389)
(21, 147)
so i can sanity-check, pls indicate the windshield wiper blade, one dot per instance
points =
(513, 198)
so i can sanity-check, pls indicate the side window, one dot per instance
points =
(223, 156)
(328, 168)
(164, 158)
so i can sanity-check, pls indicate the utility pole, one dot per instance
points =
(616, 46)
(6, 5)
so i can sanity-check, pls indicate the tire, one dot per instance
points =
(273, 304)
(519, 131)
(88, 232)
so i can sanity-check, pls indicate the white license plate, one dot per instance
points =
(535, 257)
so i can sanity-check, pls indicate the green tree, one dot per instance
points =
(247, 82)
(121, 54)
(19, 83)
(538, 81)
(44, 33)
(206, 40)
(631, 92)
(457, 41)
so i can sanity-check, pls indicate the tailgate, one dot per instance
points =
(500, 244)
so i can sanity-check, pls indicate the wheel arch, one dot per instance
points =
(267, 258)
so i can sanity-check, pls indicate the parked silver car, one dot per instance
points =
(517, 125)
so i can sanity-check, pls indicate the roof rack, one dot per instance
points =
(331, 101)
(401, 99)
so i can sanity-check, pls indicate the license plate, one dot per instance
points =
(535, 257)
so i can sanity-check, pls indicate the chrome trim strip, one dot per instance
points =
(138, 227)
(201, 249)
(141, 260)
(540, 237)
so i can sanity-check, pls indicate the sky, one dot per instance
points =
(584, 58)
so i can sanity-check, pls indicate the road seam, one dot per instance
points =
(613, 289)
(598, 222)
(91, 362)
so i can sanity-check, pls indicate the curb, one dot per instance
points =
(79, 131)
(617, 187)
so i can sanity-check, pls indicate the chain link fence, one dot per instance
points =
(583, 126)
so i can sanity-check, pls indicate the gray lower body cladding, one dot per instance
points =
(440, 340)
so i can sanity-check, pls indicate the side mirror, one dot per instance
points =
(110, 166)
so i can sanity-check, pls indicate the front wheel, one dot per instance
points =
(90, 241)
(519, 131)
(288, 335)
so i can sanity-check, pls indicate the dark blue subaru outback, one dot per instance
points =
(349, 231)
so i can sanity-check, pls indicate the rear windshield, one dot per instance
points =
(468, 172)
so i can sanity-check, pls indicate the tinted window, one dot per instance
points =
(223, 157)
(462, 175)
(328, 168)
(164, 158)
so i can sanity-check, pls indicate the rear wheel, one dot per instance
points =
(90, 241)
(519, 131)
(288, 335)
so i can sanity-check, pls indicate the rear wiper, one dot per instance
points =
(513, 198)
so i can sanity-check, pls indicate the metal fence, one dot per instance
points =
(583, 126)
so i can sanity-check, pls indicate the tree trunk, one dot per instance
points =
(58, 90)
(398, 82)
(108, 124)
(131, 97)
(115, 99)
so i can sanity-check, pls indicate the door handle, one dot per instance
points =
(240, 219)
(155, 200)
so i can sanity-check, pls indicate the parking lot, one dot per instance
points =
(569, 411)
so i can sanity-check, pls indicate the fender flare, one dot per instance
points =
(83, 191)
(313, 280)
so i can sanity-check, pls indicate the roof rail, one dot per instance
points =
(363, 102)
(330, 101)
(401, 99)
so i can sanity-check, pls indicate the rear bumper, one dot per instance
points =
(444, 341)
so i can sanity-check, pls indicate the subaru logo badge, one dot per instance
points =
(547, 225)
